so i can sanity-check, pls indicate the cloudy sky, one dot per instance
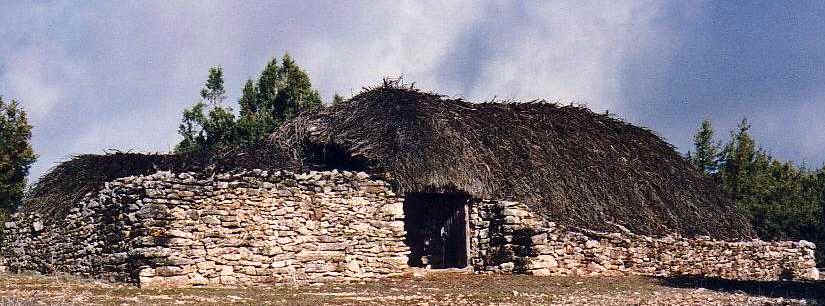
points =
(117, 74)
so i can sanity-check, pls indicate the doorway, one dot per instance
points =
(436, 225)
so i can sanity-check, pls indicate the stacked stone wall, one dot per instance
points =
(500, 236)
(228, 229)
(254, 227)
(509, 237)
(90, 241)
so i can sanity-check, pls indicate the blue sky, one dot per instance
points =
(95, 76)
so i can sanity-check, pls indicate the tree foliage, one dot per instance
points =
(337, 99)
(282, 91)
(207, 132)
(707, 150)
(783, 201)
(16, 155)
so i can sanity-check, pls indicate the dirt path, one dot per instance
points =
(444, 289)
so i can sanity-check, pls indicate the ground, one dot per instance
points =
(433, 289)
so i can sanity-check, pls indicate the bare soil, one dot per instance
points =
(432, 289)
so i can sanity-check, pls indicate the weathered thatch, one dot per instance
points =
(56, 192)
(570, 164)
(574, 166)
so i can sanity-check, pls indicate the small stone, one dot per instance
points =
(278, 264)
(507, 266)
(807, 244)
(147, 272)
(812, 274)
(198, 280)
(228, 280)
(37, 226)
(169, 271)
(595, 268)
(394, 209)
(179, 233)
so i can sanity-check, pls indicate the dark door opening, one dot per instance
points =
(436, 227)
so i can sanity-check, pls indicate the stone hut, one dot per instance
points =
(388, 181)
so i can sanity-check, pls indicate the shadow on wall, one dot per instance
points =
(811, 291)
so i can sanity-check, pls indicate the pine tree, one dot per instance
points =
(706, 156)
(269, 83)
(248, 102)
(739, 155)
(16, 155)
(282, 92)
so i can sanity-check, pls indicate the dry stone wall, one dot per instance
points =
(92, 241)
(508, 237)
(228, 229)
(253, 227)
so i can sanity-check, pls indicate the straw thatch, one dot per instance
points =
(568, 163)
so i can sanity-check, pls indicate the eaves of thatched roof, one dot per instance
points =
(571, 165)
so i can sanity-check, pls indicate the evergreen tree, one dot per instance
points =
(16, 155)
(296, 95)
(216, 129)
(281, 93)
(783, 201)
(337, 99)
(191, 129)
(248, 101)
(739, 156)
(269, 83)
(705, 158)
(213, 91)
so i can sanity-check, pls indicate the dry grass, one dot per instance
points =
(439, 289)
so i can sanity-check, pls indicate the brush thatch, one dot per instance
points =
(568, 163)
(56, 192)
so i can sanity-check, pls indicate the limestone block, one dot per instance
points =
(197, 279)
(37, 226)
(394, 209)
(206, 265)
(320, 255)
(228, 280)
(811, 274)
(147, 272)
(595, 268)
(507, 266)
(541, 272)
(168, 271)
(539, 239)
(591, 244)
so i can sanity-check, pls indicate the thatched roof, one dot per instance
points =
(568, 163)
(56, 192)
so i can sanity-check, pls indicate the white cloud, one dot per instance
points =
(26, 77)
(117, 75)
